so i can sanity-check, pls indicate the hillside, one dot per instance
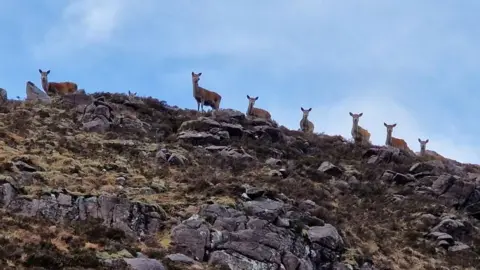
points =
(129, 182)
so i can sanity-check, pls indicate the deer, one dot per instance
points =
(306, 125)
(52, 88)
(423, 146)
(204, 96)
(257, 112)
(395, 142)
(359, 134)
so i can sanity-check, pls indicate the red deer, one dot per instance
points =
(257, 112)
(306, 125)
(53, 88)
(395, 142)
(204, 96)
(359, 134)
(423, 146)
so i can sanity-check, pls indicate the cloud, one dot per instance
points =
(83, 23)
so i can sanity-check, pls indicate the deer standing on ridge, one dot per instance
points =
(306, 125)
(204, 96)
(359, 134)
(423, 146)
(257, 112)
(395, 142)
(53, 88)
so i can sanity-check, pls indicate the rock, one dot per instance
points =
(450, 226)
(35, 94)
(234, 261)
(458, 246)
(115, 212)
(192, 237)
(178, 257)
(402, 179)
(329, 168)
(273, 162)
(253, 192)
(443, 183)
(265, 209)
(326, 236)
(197, 138)
(22, 166)
(234, 130)
(100, 125)
(201, 124)
(457, 193)
(144, 264)
(78, 99)
(177, 159)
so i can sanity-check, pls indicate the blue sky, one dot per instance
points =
(415, 63)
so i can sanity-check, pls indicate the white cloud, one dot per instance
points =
(83, 23)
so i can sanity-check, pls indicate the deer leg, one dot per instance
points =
(202, 101)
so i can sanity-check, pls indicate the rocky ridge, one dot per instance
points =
(114, 182)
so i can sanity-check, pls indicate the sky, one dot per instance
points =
(414, 63)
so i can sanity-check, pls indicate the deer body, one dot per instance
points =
(306, 125)
(257, 112)
(204, 96)
(395, 142)
(359, 134)
(53, 88)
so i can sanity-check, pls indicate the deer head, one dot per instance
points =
(44, 75)
(389, 128)
(423, 145)
(196, 77)
(356, 117)
(305, 112)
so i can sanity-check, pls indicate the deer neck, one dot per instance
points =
(422, 150)
(250, 109)
(196, 89)
(304, 122)
(388, 141)
(355, 129)
(45, 84)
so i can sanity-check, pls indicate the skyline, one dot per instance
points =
(410, 63)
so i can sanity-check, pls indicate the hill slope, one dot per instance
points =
(125, 182)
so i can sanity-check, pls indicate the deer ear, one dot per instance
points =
(394, 125)
(39, 70)
(351, 114)
(310, 109)
(256, 98)
(420, 141)
(360, 114)
(385, 124)
(48, 71)
(302, 109)
(193, 73)
(199, 73)
(426, 141)
(248, 96)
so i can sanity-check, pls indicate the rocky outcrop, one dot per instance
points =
(98, 116)
(259, 234)
(35, 94)
(134, 218)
